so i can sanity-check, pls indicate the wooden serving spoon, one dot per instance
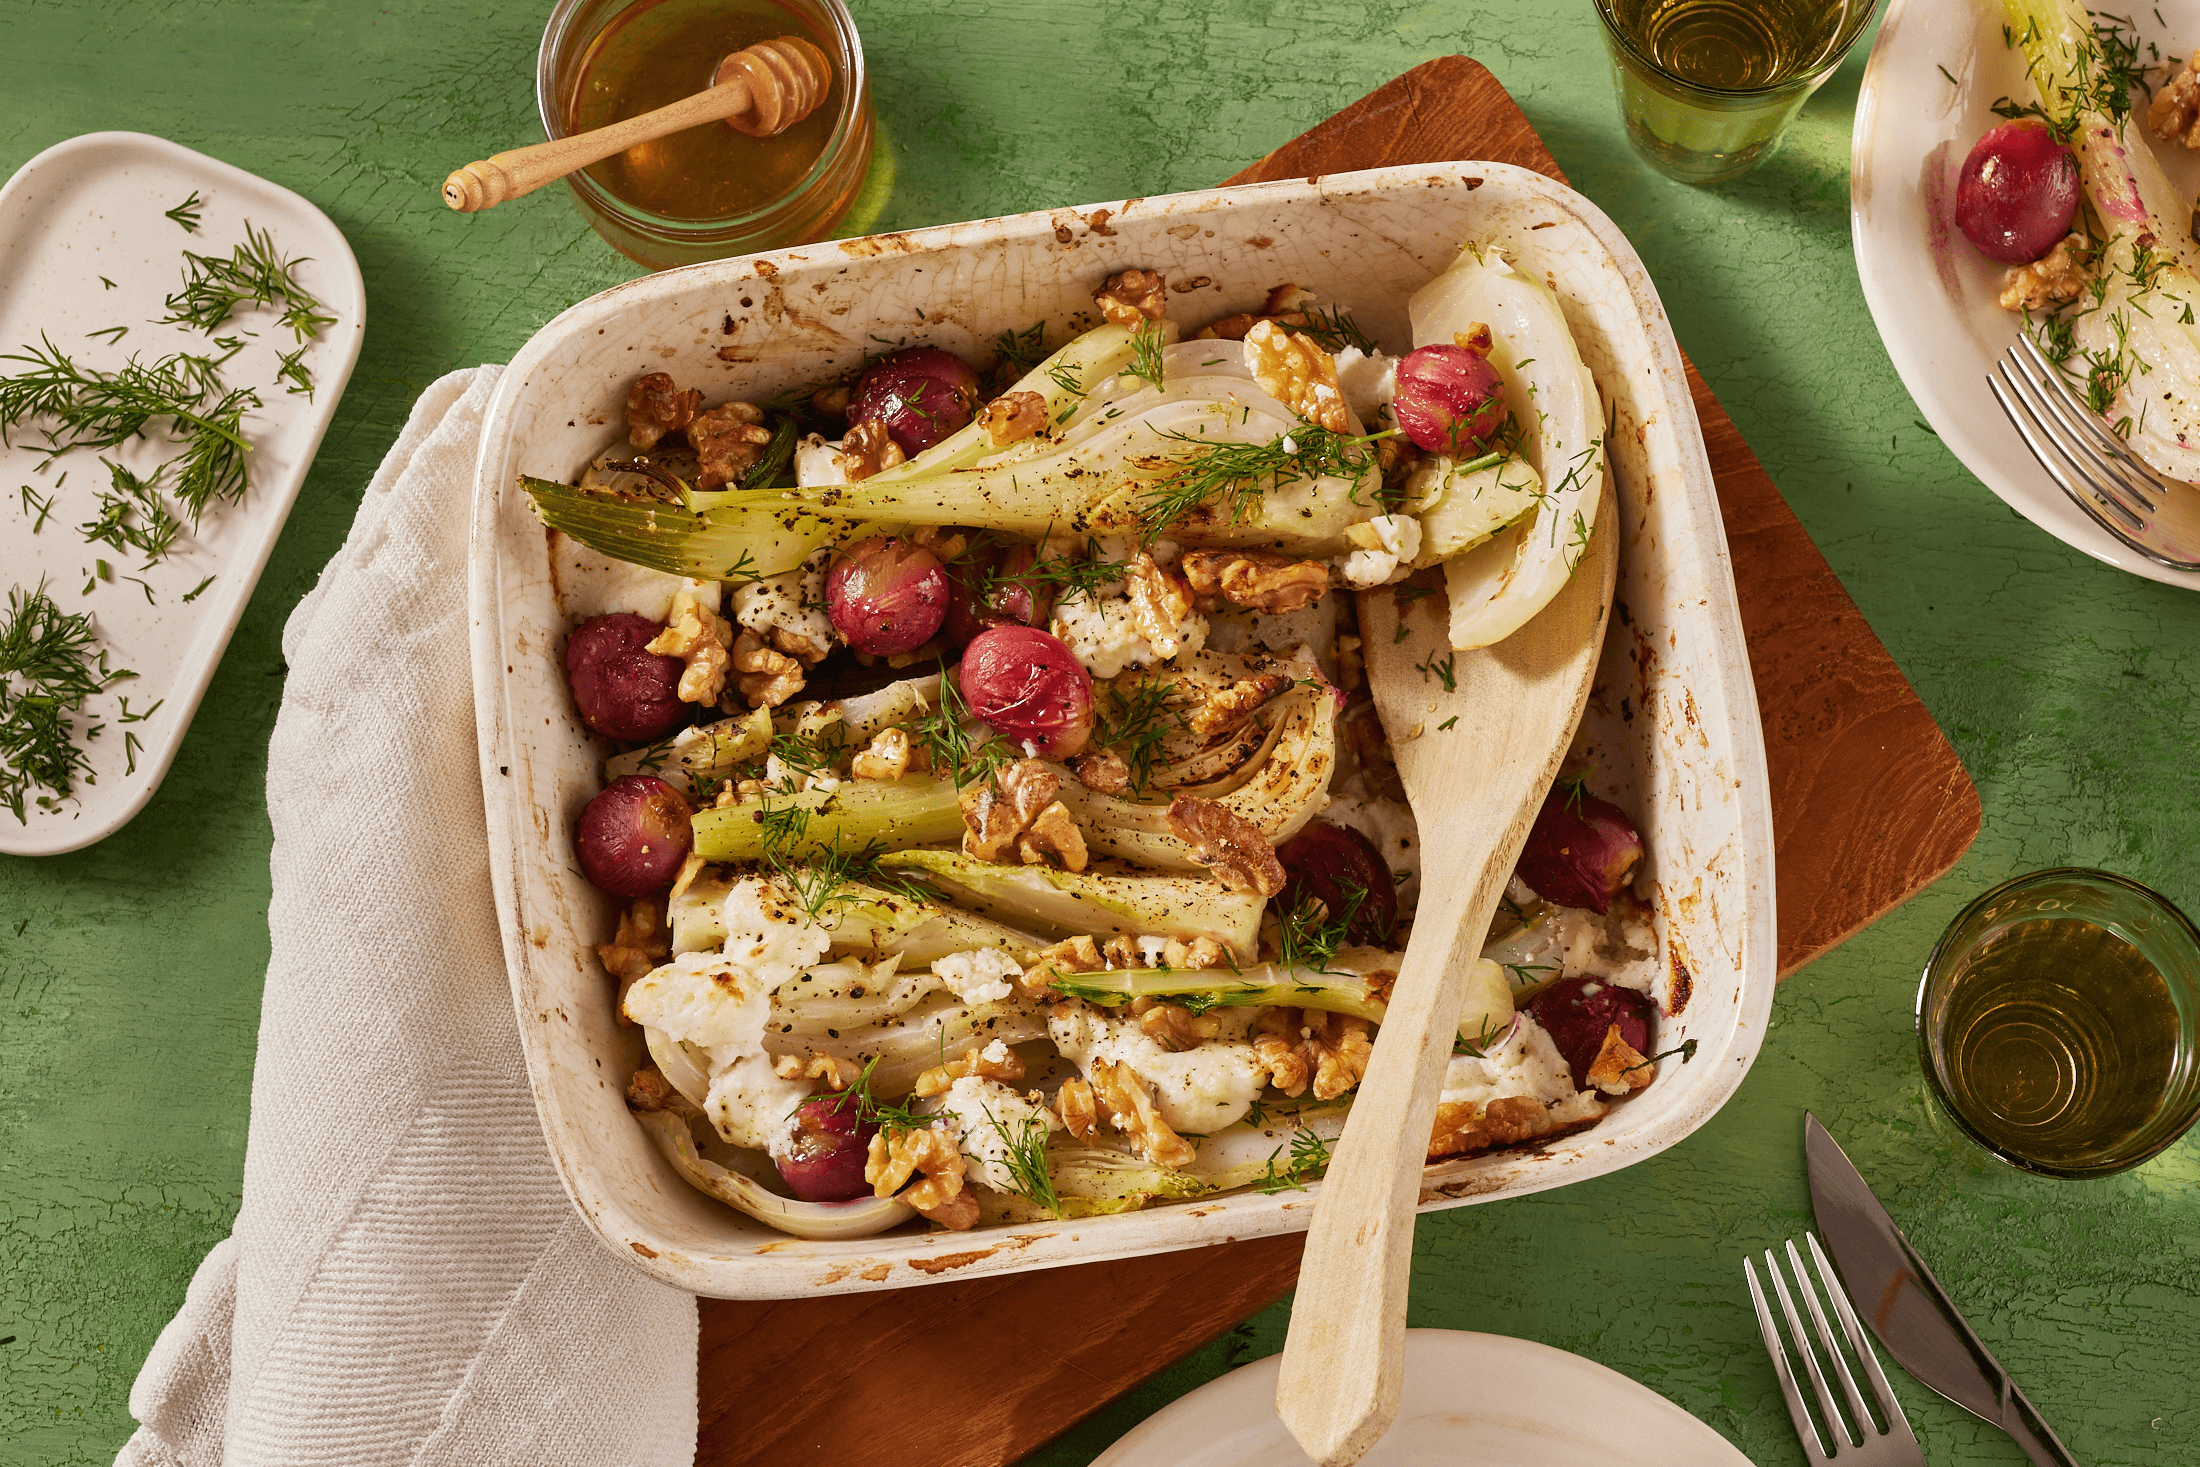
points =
(763, 90)
(1475, 788)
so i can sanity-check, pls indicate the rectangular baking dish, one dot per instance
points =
(1671, 728)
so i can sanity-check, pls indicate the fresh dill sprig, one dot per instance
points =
(1446, 671)
(194, 593)
(890, 1119)
(293, 370)
(41, 504)
(948, 744)
(1523, 973)
(1146, 364)
(82, 407)
(1136, 725)
(255, 274)
(1575, 787)
(1478, 1047)
(1236, 475)
(1686, 1049)
(1308, 1159)
(1027, 1160)
(47, 670)
(1017, 352)
(187, 213)
(1064, 376)
(132, 516)
(1332, 330)
(1308, 934)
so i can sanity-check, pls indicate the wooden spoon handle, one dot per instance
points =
(763, 90)
(1344, 1356)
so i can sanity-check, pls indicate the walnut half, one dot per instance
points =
(1117, 1095)
(2055, 279)
(1014, 816)
(1131, 297)
(1227, 844)
(894, 1158)
(1297, 373)
(1301, 1045)
(1259, 580)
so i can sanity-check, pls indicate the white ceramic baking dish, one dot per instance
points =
(1672, 727)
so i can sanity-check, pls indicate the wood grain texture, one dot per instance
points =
(1869, 805)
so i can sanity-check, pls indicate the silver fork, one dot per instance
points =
(2157, 516)
(1862, 1443)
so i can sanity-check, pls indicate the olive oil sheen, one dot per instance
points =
(1730, 45)
(2059, 1040)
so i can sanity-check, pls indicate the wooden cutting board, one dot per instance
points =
(1869, 806)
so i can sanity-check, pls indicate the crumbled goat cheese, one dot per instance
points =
(978, 976)
(793, 601)
(988, 1121)
(1105, 638)
(705, 999)
(1525, 1062)
(752, 1106)
(768, 935)
(1398, 540)
(817, 462)
(1198, 1090)
(1368, 382)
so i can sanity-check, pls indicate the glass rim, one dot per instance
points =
(847, 123)
(2087, 874)
(1845, 42)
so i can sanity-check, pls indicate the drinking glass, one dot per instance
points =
(1707, 86)
(2043, 1033)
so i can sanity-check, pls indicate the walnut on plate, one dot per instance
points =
(728, 440)
(1013, 816)
(1258, 580)
(2055, 279)
(655, 407)
(1619, 1067)
(1014, 416)
(697, 636)
(766, 677)
(1298, 1046)
(897, 1156)
(890, 756)
(1297, 373)
(1072, 955)
(2174, 114)
(1006, 1066)
(1133, 297)
(1117, 1095)
(1227, 844)
(641, 943)
(1467, 1125)
(867, 449)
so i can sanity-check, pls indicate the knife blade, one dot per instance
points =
(1905, 1306)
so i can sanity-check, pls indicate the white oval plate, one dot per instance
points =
(1468, 1398)
(83, 213)
(1933, 296)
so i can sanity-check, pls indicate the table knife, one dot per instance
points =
(1905, 1306)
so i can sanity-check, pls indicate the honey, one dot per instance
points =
(652, 54)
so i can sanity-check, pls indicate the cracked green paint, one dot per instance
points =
(129, 1000)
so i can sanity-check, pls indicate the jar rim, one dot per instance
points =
(848, 124)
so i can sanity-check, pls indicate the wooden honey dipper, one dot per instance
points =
(763, 90)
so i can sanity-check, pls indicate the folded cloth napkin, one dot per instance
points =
(407, 1282)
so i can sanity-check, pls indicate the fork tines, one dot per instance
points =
(1864, 1443)
(2099, 472)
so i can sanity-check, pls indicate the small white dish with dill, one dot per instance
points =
(174, 336)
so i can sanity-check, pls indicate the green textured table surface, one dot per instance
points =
(130, 973)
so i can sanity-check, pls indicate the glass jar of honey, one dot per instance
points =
(710, 191)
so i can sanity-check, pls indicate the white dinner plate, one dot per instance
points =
(1469, 1398)
(87, 245)
(1933, 296)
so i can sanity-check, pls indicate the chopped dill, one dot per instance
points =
(254, 274)
(1332, 330)
(1308, 934)
(948, 743)
(1236, 474)
(194, 592)
(1146, 347)
(42, 504)
(1446, 671)
(1136, 725)
(132, 516)
(1479, 1046)
(47, 670)
(1308, 1159)
(1027, 1160)
(186, 214)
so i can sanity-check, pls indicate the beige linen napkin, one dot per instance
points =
(407, 1282)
